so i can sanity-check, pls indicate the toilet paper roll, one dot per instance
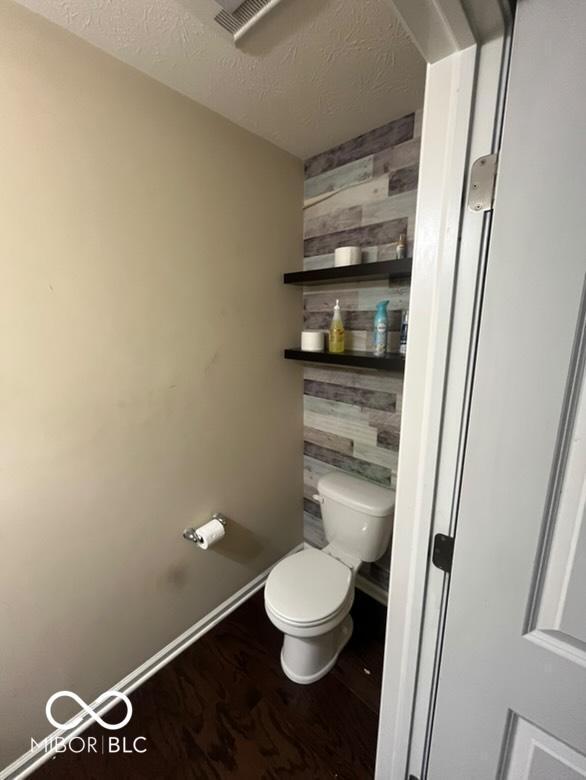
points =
(347, 255)
(209, 534)
(312, 340)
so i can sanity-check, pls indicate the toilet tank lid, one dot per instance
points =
(357, 493)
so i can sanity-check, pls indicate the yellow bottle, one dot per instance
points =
(336, 343)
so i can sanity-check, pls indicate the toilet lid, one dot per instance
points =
(308, 587)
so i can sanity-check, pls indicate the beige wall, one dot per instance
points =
(142, 319)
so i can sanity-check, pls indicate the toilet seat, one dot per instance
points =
(309, 588)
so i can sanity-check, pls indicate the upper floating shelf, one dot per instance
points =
(364, 272)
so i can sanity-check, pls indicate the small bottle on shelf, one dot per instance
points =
(404, 329)
(336, 340)
(401, 248)
(381, 327)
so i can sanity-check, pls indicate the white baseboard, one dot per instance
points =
(32, 760)
(372, 590)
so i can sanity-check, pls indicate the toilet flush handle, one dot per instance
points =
(318, 498)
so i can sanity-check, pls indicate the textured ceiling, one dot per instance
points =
(310, 75)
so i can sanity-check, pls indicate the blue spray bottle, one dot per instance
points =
(381, 327)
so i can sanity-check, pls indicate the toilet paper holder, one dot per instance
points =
(191, 533)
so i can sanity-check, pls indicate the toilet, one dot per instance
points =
(308, 595)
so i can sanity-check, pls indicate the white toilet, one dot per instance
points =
(309, 594)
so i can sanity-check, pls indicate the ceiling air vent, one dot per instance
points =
(239, 17)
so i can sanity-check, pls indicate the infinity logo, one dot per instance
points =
(75, 721)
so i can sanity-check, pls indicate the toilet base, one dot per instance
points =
(306, 660)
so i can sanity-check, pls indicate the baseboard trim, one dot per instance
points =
(32, 759)
(372, 590)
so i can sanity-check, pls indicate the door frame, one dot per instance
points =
(466, 46)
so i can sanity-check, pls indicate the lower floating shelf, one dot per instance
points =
(390, 362)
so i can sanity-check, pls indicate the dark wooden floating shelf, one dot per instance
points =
(364, 272)
(390, 362)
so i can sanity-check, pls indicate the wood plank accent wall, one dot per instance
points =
(363, 193)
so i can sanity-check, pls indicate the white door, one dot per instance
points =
(511, 701)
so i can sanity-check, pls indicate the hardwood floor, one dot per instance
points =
(224, 709)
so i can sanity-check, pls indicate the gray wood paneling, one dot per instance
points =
(334, 221)
(352, 319)
(388, 437)
(332, 441)
(403, 179)
(353, 418)
(369, 399)
(351, 173)
(362, 468)
(368, 235)
(396, 157)
(376, 140)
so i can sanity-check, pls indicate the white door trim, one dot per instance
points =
(438, 28)
(446, 120)
(474, 239)
(460, 87)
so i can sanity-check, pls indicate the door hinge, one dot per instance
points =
(443, 552)
(482, 183)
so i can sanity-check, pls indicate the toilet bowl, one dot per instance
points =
(308, 595)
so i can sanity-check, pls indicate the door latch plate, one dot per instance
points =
(482, 183)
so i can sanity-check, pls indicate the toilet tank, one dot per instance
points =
(357, 515)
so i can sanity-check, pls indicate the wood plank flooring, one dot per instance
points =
(224, 709)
